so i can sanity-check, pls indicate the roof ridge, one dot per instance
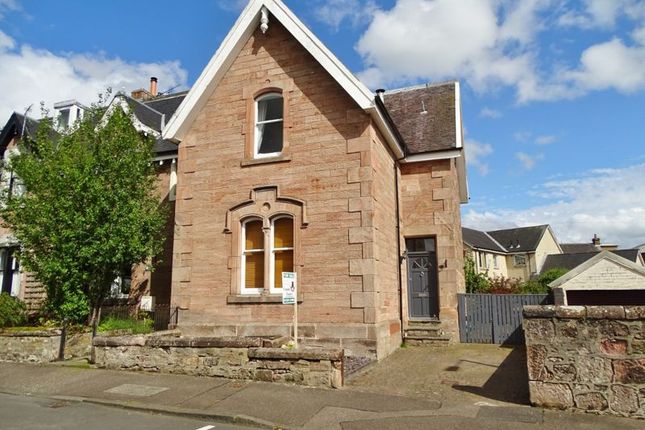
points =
(166, 96)
(143, 104)
(493, 239)
(420, 86)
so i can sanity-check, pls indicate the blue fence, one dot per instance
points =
(495, 318)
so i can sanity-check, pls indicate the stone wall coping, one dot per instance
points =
(31, 333)
(119, 341)
(171, 339)
(296, 354)
(580, 312)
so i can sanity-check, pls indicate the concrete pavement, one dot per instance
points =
(31, 413)
(281, 406)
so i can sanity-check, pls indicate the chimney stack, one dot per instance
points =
(595, 240)
(153, 86)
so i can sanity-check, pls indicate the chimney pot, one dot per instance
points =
(153, 86)
(380, 93)
(595, 240)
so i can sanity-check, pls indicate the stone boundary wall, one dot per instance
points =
(589, 358)
(41, 346)
(228, 357)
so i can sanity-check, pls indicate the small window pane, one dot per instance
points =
(270, 137)
(283, 233)
(420, 244)
(283, 263)
(254, 270)
(254, 235)
(270, 108)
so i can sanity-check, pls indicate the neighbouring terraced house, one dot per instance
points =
(286, 162)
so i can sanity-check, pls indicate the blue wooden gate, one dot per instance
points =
(494, 318)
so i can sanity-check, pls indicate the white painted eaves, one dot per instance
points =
(228, 51)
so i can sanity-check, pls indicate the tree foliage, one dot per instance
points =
(475, 282)
(90, 209)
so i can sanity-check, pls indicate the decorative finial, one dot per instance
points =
(264, 20)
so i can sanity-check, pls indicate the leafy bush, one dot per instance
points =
(134, 326)
(475, 282)
(12, 311)
(533, 286)
(551, 275)
(503, 285)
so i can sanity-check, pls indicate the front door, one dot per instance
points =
(422, 278)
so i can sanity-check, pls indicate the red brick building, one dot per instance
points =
(286, 162)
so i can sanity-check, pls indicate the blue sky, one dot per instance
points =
(553, 91)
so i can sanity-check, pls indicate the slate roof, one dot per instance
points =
(435, 130)
(167, 104)
(571, 260)
(15, 126)
(481, 240)
(155, 114)
(577, 248)
(522, 239)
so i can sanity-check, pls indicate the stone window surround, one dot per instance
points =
(251, 94)
(265, 204)
(268, 250)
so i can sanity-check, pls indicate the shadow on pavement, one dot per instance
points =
(509, 382)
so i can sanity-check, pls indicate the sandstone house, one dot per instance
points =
(280, 160)
(287, 162)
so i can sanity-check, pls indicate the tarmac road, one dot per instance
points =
(33, 413)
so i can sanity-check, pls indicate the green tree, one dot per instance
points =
(90, 209)
(475, 282)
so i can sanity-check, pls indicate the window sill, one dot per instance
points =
(241, 299)
(255, 161)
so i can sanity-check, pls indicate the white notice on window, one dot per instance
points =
(288, 288)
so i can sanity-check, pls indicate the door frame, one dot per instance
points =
(435, 261)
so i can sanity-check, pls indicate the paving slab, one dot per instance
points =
(294, 406)
(457, 374)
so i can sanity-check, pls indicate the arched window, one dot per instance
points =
(281, 250)
(269, 125)
(252, 256)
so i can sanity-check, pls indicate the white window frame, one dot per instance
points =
(243, 288)
(273, 289)
(256, 143)
(516, 264)
(495, 261)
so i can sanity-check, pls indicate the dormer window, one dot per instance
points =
(269, 125)
(63, 119)
(68, 113)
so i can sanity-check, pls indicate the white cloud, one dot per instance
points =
(475, 153)
(528, 161)
(545, 139)
(493, 43)
(487, 112)
(601, 13)
(232, 5)
(8, 6)
(334, 12)
(610, 65)
(602, 201)
(522, 136)
(29, 75)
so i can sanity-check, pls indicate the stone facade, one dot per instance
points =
(228, 357)
(41, 346)
(590, 358)
(337, 178)
(430, 206)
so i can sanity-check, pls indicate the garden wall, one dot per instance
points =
(229, 357)
(41, 346)
(590, 358)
